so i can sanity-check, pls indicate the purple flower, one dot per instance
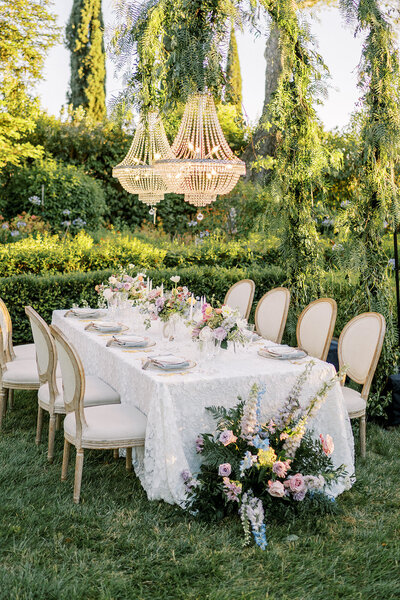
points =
(227, 437)
(21, 224)
(299, 496)
(220, 334)
(159, 303)
(14, 233)
(224, 470)
(186, 475)
(199, 444)
(66, 212)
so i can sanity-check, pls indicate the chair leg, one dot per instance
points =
(58, 422)
(363, 435)
(52, 435)
(64, 468)
(78, 475)
(3, 404)
(39, 426)
(10, 399)
(129, 459)
(116, 453)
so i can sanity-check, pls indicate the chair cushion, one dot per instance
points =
(353, 400)
(25, 351)
(21, 372)
(113, 422)
(97, 393)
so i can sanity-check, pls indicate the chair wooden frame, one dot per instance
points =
(10, 354)
(252, 291)
(6, 387)
(331, 328)
(76, 405)
(47, 376)
(366, 382)
(284, 314)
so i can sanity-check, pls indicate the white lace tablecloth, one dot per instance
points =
(175, 404)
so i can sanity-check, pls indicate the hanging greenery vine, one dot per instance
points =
(300, 156)
(377, 197)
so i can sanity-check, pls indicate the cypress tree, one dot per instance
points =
(233, 88)
(84, 39)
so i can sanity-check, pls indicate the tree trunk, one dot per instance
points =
(263, 141)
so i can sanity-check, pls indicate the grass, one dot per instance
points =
(116, 545)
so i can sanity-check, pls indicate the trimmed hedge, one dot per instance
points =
(51, 292)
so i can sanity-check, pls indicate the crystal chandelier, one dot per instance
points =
(136, 172)
(202, 165)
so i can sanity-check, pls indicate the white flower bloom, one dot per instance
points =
(107, 293)
(226, 311)
(175, 278)
(113, 280)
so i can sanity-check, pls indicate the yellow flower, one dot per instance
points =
(208, 310)
(266, 458)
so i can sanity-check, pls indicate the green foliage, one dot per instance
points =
(50, 254)
(22, 226)
(178, 45)
(84, 39)
(233, 86)
(300, 157)
(66, 187)
(27, 30)
(376, 193)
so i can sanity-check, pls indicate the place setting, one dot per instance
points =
(106, 327)
(282, 352)
(168, 364)
(85, 313)
(129, 342)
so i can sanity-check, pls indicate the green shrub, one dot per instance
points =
(50, 254)
(66, 187)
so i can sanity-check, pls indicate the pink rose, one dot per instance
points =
(296, 483)
(224, 470)
(280, 468)
(284, 436)
(276, 489)
(227, 437)
(327, 444)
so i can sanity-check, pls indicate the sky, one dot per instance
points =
(336, 43)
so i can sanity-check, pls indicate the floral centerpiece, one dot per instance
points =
(224, 322)
(256, 468)
(163, 306)
(124, 284)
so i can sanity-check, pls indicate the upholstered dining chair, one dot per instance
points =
(271, 314)
(21, 352)
(95, 427)
(21, 374)
(50, 396)
(315, 327)
(359, 349)
(240, 295)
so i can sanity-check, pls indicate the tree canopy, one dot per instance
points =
(84, 39)
(27, 30)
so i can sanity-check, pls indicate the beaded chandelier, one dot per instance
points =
(203, 164)
(136, 172)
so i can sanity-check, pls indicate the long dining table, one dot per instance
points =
(175, 403)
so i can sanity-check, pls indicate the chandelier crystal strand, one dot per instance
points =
(203, 165)
(136, 172)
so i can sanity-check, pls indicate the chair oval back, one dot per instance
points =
(271, 314)
(46, 353)
(240, 295)
(73, 378)
(315, 327)
(6, 326)
(360, 346)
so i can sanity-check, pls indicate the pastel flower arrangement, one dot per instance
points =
(258, 468)
(173, 302)
(124, 283)
(224, 322)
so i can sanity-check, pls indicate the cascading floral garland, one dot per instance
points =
(245, 463)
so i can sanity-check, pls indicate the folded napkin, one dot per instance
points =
(282, 352)
(128, 341)
(83, 313)
(103, 326)
(167, 361)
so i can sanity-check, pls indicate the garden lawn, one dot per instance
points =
(116, 545)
